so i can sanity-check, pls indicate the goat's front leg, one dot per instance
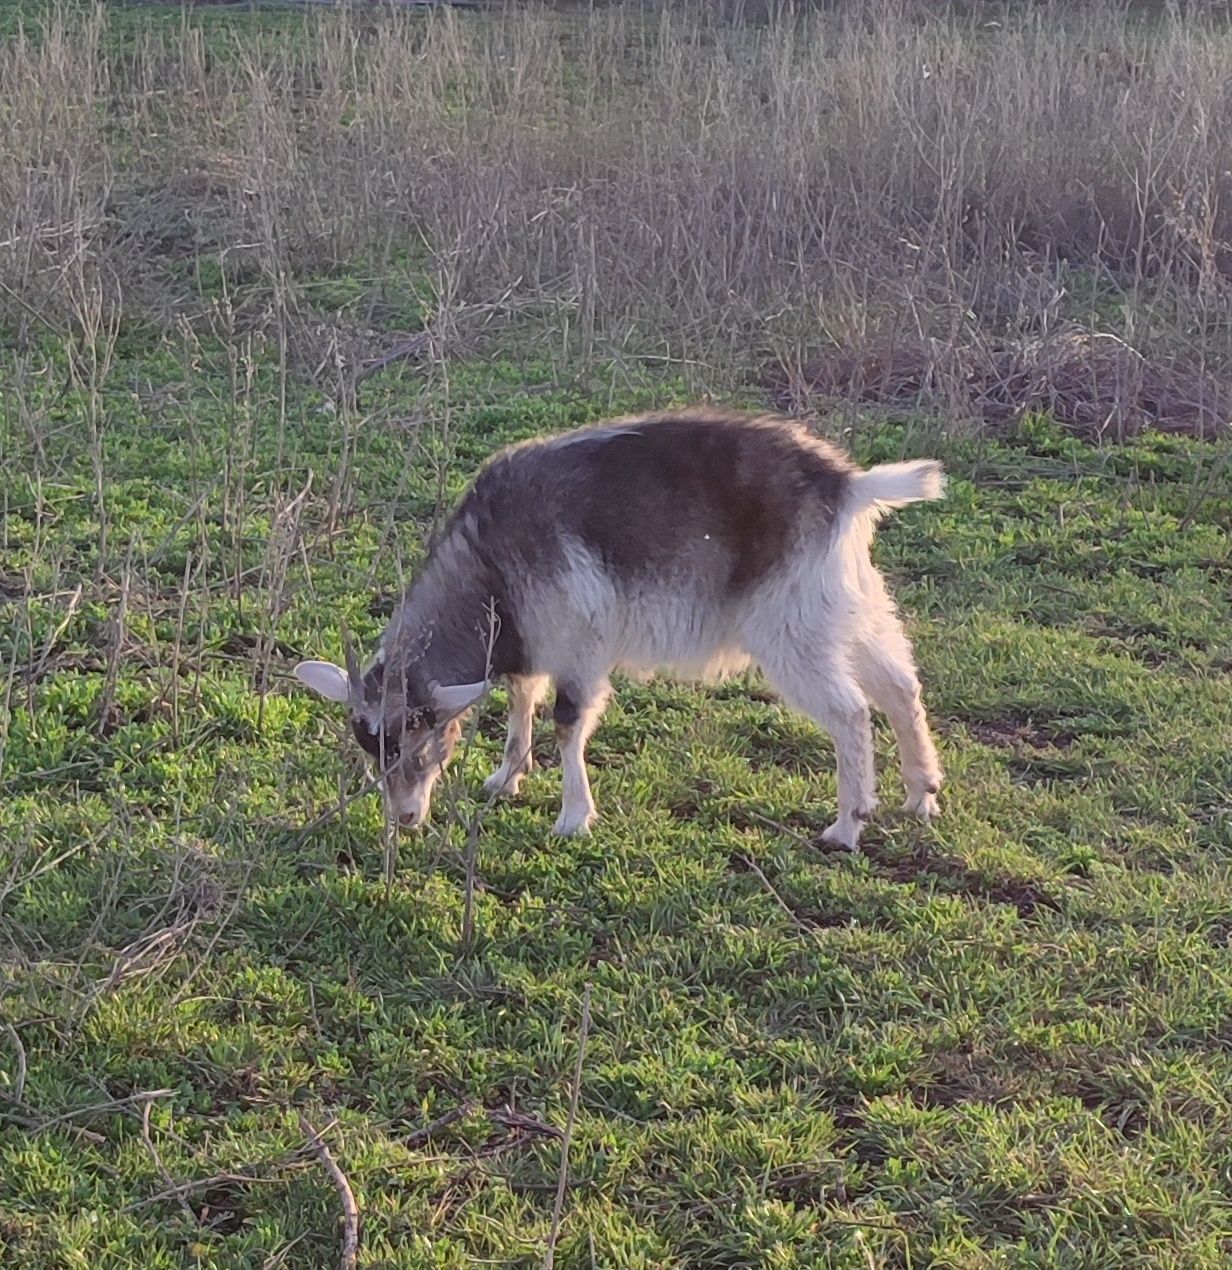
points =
(575, 713)
(525, 693)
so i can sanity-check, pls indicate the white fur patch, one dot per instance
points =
(592, 435)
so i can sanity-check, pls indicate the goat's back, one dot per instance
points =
(665, 497)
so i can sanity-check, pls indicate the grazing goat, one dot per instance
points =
(695, 542)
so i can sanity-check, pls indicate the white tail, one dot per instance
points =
(895, 485)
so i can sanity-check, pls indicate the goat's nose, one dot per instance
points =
(410, 819)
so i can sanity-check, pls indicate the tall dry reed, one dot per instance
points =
(663, 182)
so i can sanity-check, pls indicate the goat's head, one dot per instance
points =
(408, 726)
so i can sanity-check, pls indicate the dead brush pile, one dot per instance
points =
(1094, 384)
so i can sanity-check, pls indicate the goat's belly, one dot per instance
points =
(718, 666)
(679, 635)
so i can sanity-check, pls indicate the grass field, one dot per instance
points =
(1003, 1040)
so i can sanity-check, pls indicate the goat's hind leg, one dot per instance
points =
(884, 664)
(817, 682)
(525, 693)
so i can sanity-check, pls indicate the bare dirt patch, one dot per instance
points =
(955, 1077)
(1026, 895)
(1018, 731)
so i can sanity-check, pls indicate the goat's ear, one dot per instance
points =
(323, 677)
(451, 699)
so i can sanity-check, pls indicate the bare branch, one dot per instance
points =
(36, 671)
(796, 919)
(510, 1119)
(421, 1136)
(113, 1104)
(350, 1210)
(175, 1192)
(549, 1257)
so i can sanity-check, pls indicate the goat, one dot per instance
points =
(694, 542)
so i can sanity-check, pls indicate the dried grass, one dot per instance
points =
(669, 183)
(1095, 385)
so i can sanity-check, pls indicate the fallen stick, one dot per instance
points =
(562, 1183)
(41, 1125)
(778, 899)
(421, 1136)
(173, 1190)
(19, 1080)
(350, 1210)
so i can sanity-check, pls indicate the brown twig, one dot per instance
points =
(28, 1118)
(420, 1136)
(284, 541)
(476, 820)
(36, 671)
(39, 1125)
(426, 340)
(350, 1210)
(795, 917)
(44, 865)
(510, 1119)
(335, 809)
(786, 830)
(409, 348)
(276, 1259)
(112, 676)
(174, 1191)
(562, 1184)
(181, 1189)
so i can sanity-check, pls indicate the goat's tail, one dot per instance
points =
(889, 485)
(847, 570)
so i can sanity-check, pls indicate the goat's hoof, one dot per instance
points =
(924, 804)
(844, 834)
(575, 824)
(503, 784)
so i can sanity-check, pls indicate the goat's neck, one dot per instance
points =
(443, 634)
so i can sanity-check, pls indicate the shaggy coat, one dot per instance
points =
(693, 543)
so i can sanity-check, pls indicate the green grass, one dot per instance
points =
(132, 21)
(1000, 1041)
